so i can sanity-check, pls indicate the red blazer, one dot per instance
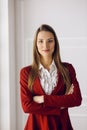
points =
(49, 115)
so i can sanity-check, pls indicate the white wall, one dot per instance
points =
(4, 67)
(12, 64)
(68, 18)
(7, 66)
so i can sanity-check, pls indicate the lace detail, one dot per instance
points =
(49, 78)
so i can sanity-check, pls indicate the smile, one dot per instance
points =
(46, 50)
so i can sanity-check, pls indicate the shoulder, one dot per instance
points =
(25, 70)
(67, 64)
(70, 68)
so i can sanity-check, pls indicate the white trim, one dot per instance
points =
(20, 58)
(12, 83)
(4, 41)
(22, 29)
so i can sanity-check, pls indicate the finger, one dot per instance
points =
(72, 86)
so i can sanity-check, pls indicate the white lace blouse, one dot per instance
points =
(49, 78)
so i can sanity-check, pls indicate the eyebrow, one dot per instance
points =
(50, 38)
(47, 39)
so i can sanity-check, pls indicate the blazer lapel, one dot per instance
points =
(37, 88)
(60, 85)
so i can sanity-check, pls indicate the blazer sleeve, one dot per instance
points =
(66, 101)
(28, 105)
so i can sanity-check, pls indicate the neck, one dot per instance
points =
(46, 62)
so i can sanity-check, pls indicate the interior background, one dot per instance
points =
(69, 19)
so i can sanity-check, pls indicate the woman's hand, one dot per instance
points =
(38, 99)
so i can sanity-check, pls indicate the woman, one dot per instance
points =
(48, 87)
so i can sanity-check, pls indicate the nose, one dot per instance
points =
(45, 44)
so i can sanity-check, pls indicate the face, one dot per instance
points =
(45, 44)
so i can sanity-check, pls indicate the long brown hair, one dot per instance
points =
(34, 73)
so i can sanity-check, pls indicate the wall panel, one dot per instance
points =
(69, 21)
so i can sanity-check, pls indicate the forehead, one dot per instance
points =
(45, 35)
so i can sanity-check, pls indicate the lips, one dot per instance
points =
(46, 50)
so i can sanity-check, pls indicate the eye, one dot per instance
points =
(40, 41)
(50, 40)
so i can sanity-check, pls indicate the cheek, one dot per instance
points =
(38, 48)
(53, 47)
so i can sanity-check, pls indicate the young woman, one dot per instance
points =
(49, 86)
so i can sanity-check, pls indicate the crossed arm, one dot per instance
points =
(40, 99)
(48, 104)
